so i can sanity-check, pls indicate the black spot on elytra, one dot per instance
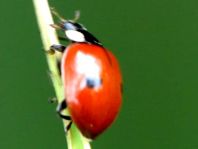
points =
(93, 82)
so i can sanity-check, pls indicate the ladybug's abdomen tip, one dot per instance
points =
(96, 130)
(93, 123)
(91, 131)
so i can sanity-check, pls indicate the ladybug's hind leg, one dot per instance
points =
(62, 106)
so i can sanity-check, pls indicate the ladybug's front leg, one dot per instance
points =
(59, 48)
(62, 106)
(56, 47)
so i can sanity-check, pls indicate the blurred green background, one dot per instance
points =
(156, 43)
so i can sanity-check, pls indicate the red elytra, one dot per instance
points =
(92, 86)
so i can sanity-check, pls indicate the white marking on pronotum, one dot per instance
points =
(75, 35)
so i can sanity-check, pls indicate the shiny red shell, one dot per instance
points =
(92, 108)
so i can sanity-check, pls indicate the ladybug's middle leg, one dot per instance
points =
(62, 106)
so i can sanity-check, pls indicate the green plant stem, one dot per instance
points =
(48, 35)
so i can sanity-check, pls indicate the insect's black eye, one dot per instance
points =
(93, 82)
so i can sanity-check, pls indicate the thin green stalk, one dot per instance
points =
(48, 35)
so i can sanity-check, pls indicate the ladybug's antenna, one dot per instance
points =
(76, 16)
(54, 12)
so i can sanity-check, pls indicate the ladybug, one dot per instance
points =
(91, 77)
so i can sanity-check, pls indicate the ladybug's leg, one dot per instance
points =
(55, 47)
(52, 100)
(68, 126)
(62, 106)
(59, 48)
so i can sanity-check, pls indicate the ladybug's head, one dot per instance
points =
(74, 31)
(68, 24)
